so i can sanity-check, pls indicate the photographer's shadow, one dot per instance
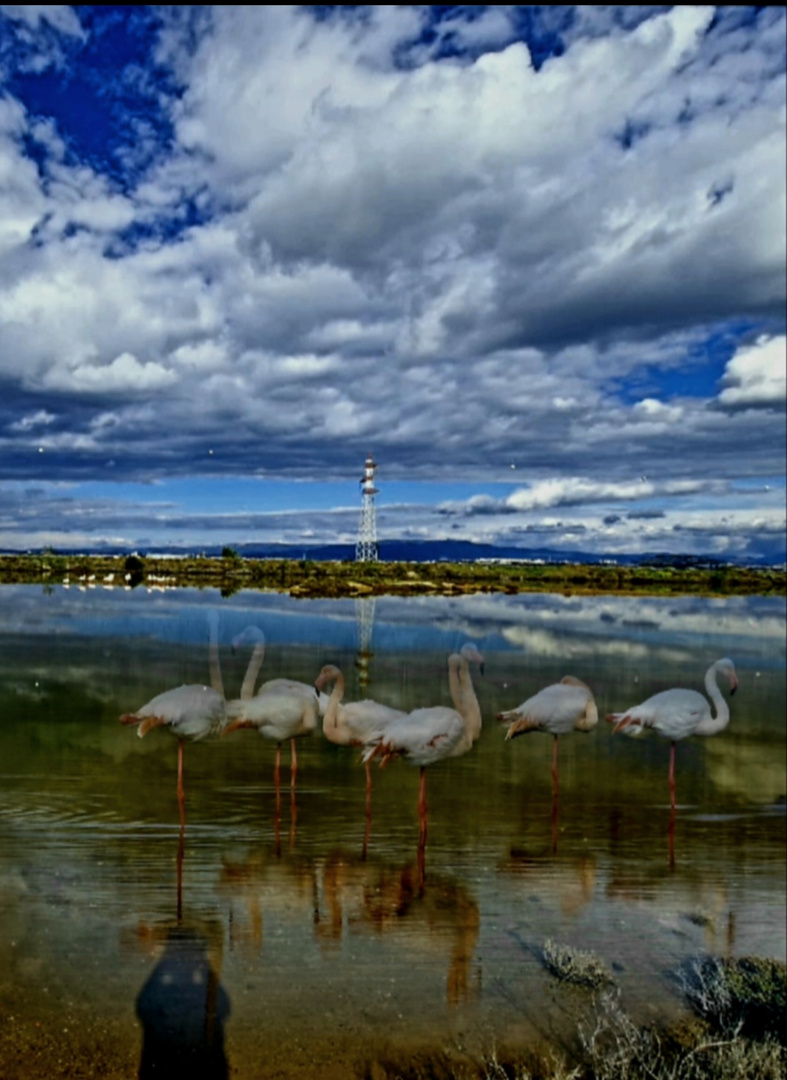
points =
(183, 1008)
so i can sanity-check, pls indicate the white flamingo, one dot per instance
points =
(353, 723)
(557, 709)
(677, 713)
(281, 709)
(426, 736)
(189, 712)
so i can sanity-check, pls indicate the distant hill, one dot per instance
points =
(446, 551)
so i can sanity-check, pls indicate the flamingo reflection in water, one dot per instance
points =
(570, 880)
(425, 736)
(355, 723)
(438, 924)
(677, 713)
(557, 709)
(190, 712)
(256, 884)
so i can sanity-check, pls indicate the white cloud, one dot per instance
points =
(41, 418)
(572, 490)
(124, 373)
(60, 17)
(654, 410)
(757, 374)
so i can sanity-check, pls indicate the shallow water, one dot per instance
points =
(308, 938)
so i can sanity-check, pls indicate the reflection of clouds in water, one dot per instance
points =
(545, 643)
(178, 616)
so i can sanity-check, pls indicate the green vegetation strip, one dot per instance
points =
(328, 579)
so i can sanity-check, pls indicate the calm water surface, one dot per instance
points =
(300, 937)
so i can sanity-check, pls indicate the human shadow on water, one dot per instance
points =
(183, 1008)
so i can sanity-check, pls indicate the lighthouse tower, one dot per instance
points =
(366, 548)
(366, 551)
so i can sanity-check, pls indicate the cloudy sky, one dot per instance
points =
(532, 258)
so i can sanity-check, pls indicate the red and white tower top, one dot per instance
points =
(367, 480)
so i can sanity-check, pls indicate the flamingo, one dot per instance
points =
(677, 713)
(189, 712)
(283, 709)
(355, 723)
(426, 736)
(558, 709)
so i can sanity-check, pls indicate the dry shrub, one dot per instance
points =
(747, 996)
(575, 966)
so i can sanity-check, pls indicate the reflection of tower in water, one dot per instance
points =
(364, 621)
(366, 551)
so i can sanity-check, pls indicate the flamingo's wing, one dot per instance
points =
(282, 710)
(191, 712)
(672, 713)
(555, 709)
(366, 718)
(422, 736)
(287, 686)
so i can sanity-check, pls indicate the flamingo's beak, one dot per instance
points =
(233, 725)
(733, 683)
(622, 724)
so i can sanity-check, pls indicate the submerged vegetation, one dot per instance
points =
(305, 578)
(575, 965)
(735, 1034)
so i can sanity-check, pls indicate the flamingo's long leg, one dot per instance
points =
(293, 763)
(181, 791)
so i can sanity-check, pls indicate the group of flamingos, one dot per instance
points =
(284, 710)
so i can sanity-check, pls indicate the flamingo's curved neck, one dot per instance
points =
(214, 663)
(252, 671)
(711, 724)
(331, 715)
(463, 695)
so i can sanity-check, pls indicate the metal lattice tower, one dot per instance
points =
(366, 548)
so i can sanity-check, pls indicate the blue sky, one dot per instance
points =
(533, 258)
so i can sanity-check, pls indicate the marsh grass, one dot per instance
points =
(746, 995)
(736, 1033)
(307, 578)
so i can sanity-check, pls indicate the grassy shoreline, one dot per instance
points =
(305, 578)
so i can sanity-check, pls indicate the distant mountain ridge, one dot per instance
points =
(440, 551)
